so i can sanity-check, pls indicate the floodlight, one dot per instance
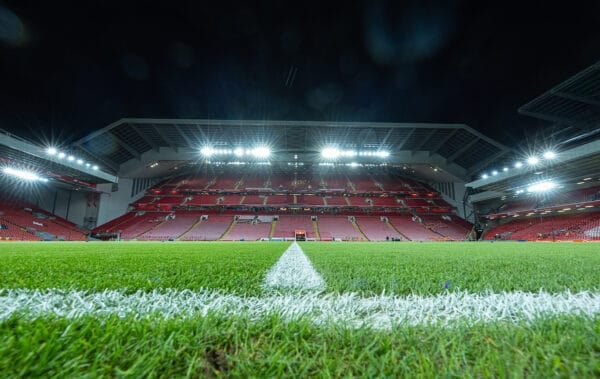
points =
(51, 151)
(207, 151)
(549, 155)
(494, 172)
(238, 152)
(484, 176)
(348, 153)
(354, 164)
(95, 168)
(518, 164)
(330, 152)
(88, 165)
(261, 152)
(22, 174)
(541, 186)
(505, 169)
(70, 158)
(61, 155)
(80, 161)
(533, 160)
(384, 154)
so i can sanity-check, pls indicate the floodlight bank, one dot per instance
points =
(293, 272)
(346, 310)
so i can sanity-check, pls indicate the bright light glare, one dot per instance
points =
(70, 158)
(51, 151)
(61, 155)
(541, 187)
(484, 176)
(384, 154)
(494, 172)
(94, 167)
(533, 160)
(80, 161)
(549, 155)
(207, 151)
(518, 165)
(505, 169)
(261, 152)
(330, 152)
(24, 175)
(238, 152)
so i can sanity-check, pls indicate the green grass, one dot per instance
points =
(424, 268)
(233, 267)
(212, 346)
(234, 347)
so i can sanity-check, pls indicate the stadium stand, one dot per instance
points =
(210, 228)
(286, 226)
(561, 227)
(172, 227)
(375, 228)
(338, 227)
(249, 228)
(412, 229)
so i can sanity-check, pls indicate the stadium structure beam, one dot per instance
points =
(126, 146)
(186, 138)
(483, 164)
(107, 161)
(442, 142)
(424, 141)
(578, 98)
(463, 149)
(268, 123)
(387, 136)
(552, 118)
(144, 137)
(167, 140)
(406, 138)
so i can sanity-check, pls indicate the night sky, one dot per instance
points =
(68, 68)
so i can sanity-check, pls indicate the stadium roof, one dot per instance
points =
(129, 143)
(573, 106)
(21, 153)
(571, 169)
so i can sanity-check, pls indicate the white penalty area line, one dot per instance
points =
(293, 272)
(345, 310)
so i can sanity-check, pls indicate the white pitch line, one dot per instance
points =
(293, 272)
(347, 310)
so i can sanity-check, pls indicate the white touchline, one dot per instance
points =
(347, 310)
(293, 271)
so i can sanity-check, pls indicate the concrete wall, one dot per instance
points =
(114, 204)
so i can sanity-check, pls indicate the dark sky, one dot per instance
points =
(67, 68)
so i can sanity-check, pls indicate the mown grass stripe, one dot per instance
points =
(348, 310)
(293, 272)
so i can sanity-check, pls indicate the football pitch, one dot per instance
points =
(275, 309)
